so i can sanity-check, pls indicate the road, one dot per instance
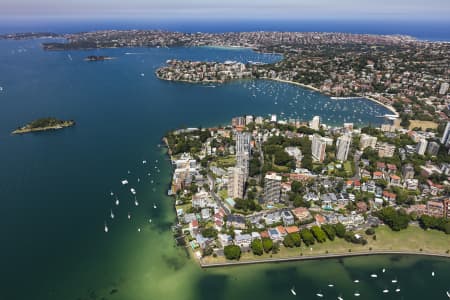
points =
(216, 197)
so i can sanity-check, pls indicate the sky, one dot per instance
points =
(229, 9)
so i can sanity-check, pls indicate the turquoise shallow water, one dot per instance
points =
(55, 187)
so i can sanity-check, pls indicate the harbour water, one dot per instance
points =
(55, 187)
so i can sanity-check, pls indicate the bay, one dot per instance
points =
(55, 186)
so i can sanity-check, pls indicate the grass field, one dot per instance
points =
(411, 239)
(422, 124)
(348, 168)
(223, 194)
(225, 162)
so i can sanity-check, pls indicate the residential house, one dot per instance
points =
(288, 218)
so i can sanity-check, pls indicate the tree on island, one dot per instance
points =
(232, 252)
(46, 122)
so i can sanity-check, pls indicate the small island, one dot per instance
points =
(44, 124)
(97, 58)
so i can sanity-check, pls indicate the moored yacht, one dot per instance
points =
(293, 291)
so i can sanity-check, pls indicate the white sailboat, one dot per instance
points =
(397, 290)
(374, 275)
(117, 201)
(124, 182)
(385, 291)
(133, 191)
(111, 193)
(320, 295)
(340, 298)
(139, 230)
(154, 205)
(448, 294)
(356, 281)
(106, 227)
(111, 214)
(293, 291)
(331, 285)
(149, 220)
(136, 202)
(357, 294)
(384, 270)
(129, 216)
(144, 162)
(432, 273)
(394, 280)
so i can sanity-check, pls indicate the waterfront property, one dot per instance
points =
(262, 202)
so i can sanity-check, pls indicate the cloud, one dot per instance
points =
(232, 9)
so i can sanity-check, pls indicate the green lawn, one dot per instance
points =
(348, 168)
(225, 162)
(411, 239)
(223, 194)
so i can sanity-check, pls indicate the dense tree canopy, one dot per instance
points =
(395, 219)
(267, 244)
(329, 231)
(292, 240)
(319, 234)
(232, 252)
(257, 247)
(340, 230)
(307, 237)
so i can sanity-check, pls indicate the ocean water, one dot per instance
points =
(55, 187)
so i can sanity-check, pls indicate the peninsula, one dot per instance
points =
(269, 189)
(44, 124)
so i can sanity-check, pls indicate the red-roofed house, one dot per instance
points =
(392, 168)
(394, 179)
(292, 229)
(378, 175)
(281, 230)
(361, 206)
(264, 234)
(388, 196)
(349, 184)
(320, 220)
(193, 227)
